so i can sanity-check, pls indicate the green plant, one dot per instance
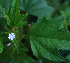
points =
(44, 37)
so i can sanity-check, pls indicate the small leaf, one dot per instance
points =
(14, 18)
(16, 43)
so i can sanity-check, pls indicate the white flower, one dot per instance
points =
(11, 36)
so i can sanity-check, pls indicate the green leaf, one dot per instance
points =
(1, 45)
(6, 4)
(15, 61)
(68, 57)
(25, 58)
(2, 22)
(38, 61)
(1, 11)
(16, 43)
(5, 55)
(46, 38)
(22, 55)
(35, 7)
(14, 18)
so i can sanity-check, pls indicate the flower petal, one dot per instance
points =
(8, 44)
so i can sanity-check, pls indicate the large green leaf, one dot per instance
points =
(46, 38)
(35, 7)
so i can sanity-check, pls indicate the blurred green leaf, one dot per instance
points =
(1, 45)
(22, 55)
(38, 61)
(16, 43)
(2, 22)
(16, 61)
(68, 57)
(5, 55)
(1, 11)
(35, 7)
(6, 4)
